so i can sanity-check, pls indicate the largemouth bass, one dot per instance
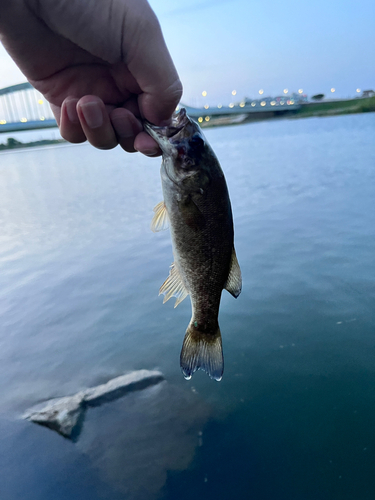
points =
(197, 208)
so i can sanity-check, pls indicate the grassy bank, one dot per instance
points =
(332, 108)
(14, 144)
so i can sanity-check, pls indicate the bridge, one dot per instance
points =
(244, 111)
(24, 108)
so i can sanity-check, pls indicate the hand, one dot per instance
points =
(102, 66)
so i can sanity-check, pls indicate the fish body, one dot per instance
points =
(197, 207)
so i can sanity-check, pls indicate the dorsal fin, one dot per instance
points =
(160, 220)
(173, 286)
(234, 280)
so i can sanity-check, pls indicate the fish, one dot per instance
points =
(197, 208)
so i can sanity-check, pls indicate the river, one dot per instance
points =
(293, 417)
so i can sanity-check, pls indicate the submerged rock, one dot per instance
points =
(62, 415)
(65, 415)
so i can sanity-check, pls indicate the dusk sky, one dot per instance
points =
(242, 45)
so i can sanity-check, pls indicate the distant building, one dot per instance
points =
(368, 93)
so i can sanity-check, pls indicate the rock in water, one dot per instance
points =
(65, 415)
(62, 415)
(118, 387)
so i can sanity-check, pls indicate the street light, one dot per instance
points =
(234, 92)
(300, 91)
(333, 90)
(261, 91)
(204, 93)
(358, 91)
(285, 91)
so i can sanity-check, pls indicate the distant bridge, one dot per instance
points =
(249, 109)
(24, 108)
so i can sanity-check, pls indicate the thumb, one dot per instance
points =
(149, 61)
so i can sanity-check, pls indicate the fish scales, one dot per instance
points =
(197, 207)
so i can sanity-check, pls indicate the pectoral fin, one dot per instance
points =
(173, 286)
(191, 214)
(234, 281)
(160, 219)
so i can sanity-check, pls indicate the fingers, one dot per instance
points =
(95, 122)
(126, 126)
(70, 126)
(88, 119)
(130, 133)
(146, 145)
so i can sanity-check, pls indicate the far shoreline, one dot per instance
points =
(307, 110)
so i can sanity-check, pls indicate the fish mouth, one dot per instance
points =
(178, 122)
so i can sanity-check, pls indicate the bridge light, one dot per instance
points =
(261, 91)
(219, 106)
(3, 122)
(273, 103)
(300, 91)
(285, 91)
(333, 90)
(200, 119)
(23, 120)
(358, 91)
(234, 92)
(231, 105)
(253, 104)
(263, 103)
(207, 118)
(40, 101)
(242, 104)
(204, 93)
(206, 106)
(42, 118)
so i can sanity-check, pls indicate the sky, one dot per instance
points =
(223, 45)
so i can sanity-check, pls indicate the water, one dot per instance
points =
(292, 419)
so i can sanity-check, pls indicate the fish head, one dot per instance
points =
(182, 143)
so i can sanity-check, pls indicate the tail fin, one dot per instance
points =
(202, 351)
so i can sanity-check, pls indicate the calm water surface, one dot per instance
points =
(294, 416)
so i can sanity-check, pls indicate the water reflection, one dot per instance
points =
(133, 443)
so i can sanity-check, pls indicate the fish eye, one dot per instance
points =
(197, 141)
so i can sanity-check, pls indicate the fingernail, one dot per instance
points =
(150, 152)
(93, 114)
(71, 109)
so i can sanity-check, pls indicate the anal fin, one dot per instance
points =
(234, 280)
(173, 286)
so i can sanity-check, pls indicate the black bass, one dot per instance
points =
(197, 207)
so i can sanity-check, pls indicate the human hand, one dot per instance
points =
(102, 66)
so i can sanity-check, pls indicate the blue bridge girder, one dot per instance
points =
(24, 108)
